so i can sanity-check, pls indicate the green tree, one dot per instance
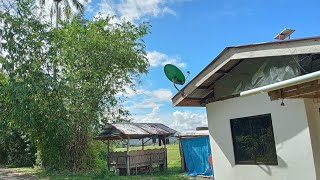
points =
(62, 109)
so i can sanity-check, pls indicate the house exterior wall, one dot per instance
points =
(313, 115)
(291, 133)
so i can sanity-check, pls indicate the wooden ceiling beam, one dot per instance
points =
(209, 95)
(202, 87)
(210, 100)
(192, 102)
(222, 71)
(306, 90)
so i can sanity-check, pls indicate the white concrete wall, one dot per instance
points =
(292, 138)
(313, 114)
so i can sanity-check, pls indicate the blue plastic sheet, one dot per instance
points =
(196, 153)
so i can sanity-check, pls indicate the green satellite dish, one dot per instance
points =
(175, 75)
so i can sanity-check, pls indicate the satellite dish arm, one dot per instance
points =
(174, 83)
(188, 72)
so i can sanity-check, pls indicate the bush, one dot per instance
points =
(16, 150)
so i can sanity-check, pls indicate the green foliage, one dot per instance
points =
(16, 149)
(61, 84)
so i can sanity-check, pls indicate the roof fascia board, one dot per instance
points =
(216, 64)
(283, 49)
(244, 52)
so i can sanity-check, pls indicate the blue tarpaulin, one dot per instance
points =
(196, 153)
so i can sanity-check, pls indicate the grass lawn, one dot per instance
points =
(173, 171)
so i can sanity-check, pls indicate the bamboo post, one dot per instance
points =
(142, 144)
(128, 157)
(108, 151)
(150, 164)
(165, 147)
(183, 167)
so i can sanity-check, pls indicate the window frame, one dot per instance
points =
(255, 162)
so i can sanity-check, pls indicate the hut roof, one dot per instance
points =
(134, 131)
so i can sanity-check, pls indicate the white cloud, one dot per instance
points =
(156, 59)
(7, 6)
(134, 10)
(107, 8)
(163, 94)
(187, 120)
(152, 117)
(128, 92)
(150, 99)
(145, 104)
(178, 120)
(87, 4)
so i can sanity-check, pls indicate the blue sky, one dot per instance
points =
(190, 33)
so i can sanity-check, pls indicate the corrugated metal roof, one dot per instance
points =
(193, 133)
(134, 131)
(129, 129)
(200, 88)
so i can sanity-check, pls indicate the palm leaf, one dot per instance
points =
(42, 2)
(78, 5)
(52, 10)
(67, 9)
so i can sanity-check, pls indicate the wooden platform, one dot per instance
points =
(305, 90)
(138, 160)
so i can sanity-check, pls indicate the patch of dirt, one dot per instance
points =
(9, 174)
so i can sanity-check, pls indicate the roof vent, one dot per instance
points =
(284, 34)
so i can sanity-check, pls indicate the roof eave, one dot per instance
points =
(248, 51)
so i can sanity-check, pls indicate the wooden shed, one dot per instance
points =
(133, 161)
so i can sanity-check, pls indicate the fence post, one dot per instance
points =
(128, 157)
(108, 159)
(142, 144)
(165, 152)
(150, 165)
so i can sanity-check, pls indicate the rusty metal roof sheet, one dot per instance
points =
(187, 134)
(134, 131)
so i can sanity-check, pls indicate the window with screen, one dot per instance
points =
(253, 140)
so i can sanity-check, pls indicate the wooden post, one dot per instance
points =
(128, 157)
(108, 151)
(150, 164)
(165, 147)
(142, 144)
(183, 167)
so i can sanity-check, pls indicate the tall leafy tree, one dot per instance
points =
(61, 109)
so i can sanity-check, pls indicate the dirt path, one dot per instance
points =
(9, 174)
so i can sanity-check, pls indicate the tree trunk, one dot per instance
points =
(57, 13)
